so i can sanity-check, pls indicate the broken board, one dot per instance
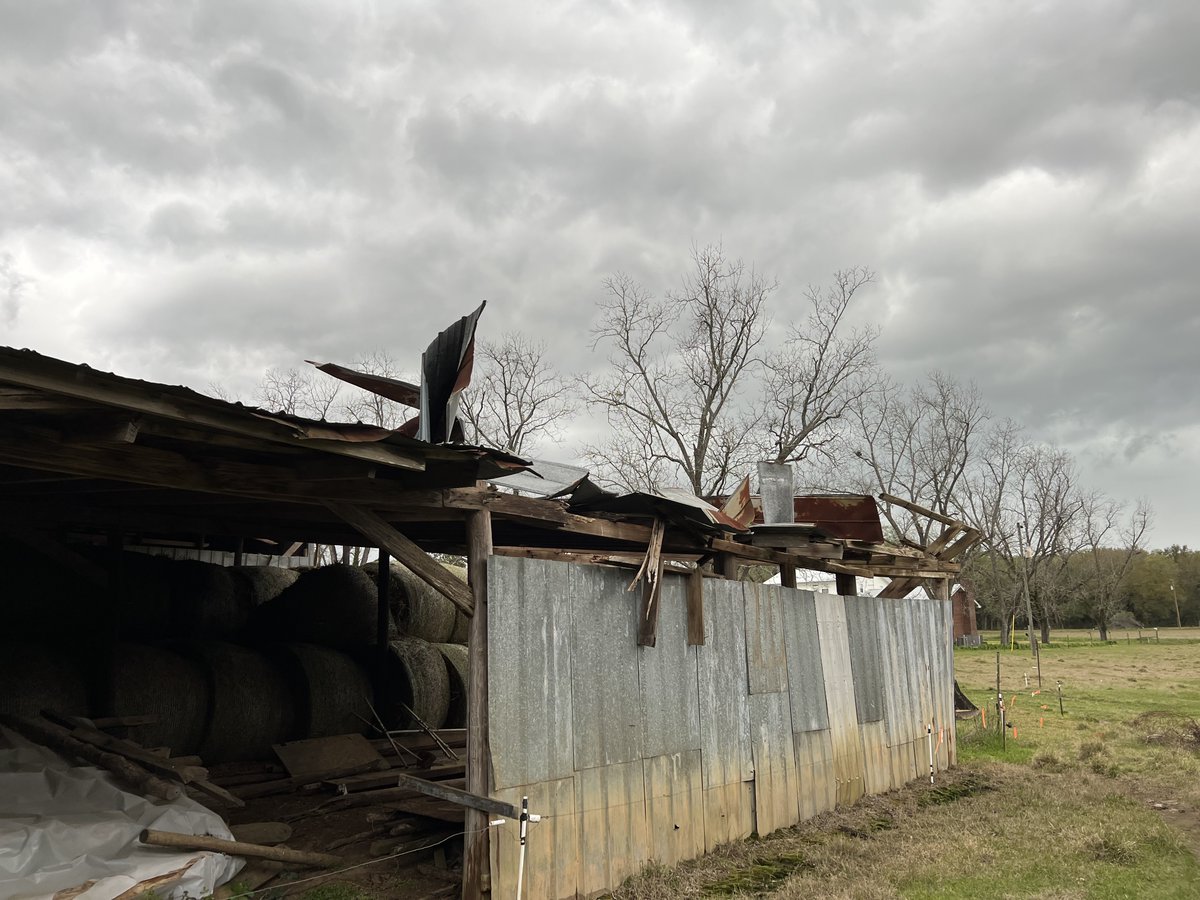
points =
(315, 757)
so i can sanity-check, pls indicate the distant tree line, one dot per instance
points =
(701, 382)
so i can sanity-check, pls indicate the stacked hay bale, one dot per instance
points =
(333, 692)
(334, 606)
(252, 705)
(37, 676)
(142, 680)
(419, 684)
(261, 584)
(455, 656)
(204, 602)
(420, 611)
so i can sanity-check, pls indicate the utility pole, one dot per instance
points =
(1026, 552)
(1175, 597)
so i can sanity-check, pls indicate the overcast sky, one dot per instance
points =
(194, 191)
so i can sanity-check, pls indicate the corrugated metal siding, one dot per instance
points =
(724, 687)
(675, 807)
(553, 843)
(839, 690)
(776, 783)
(711, 761)
(766, 656)
(862, 631)
(610, 802)
(607, 697)
(670, 704)
(806, 677)
(529, 671)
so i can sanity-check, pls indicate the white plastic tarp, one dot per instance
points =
(71, 832)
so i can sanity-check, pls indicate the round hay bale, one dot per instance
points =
(333, 606)
(418, 610)
(455, 656)
(331, 689)
(252, 706)
(43, 595)
(261, 584)
(34, 677)
(418, 679)
(143, 680)
(204, 603)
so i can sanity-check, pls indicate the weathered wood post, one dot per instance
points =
(476, 864)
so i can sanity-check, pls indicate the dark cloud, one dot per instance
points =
(199, 191)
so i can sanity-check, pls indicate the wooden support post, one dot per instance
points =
(651, 575)
(847, 585)
(695, 608)
(787, 575)
(727, 566)
(383, 582)
(476, 863)
(239, 551)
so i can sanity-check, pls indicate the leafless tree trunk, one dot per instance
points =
(677, 366)
(812, 383)
(1113, 541)
(515, 398)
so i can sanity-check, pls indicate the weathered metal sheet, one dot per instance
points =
(552, 853)
(806, 677)
(674, 807)
(877, 764)
(862, 630)
(728, 813)
(777, 492)
(670, 698)
(814, 770)
(776, 782)
(724, 686)
(610, 803)
(839, 689)
(766, 655)
(529, 670)
(892, 655)
(606, 695)
(952, 742)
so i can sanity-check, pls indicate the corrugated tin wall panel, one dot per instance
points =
(776, 783)
(610, 802)
(529, 671)
(814, 768)
(674, 807)
(552, 850)
(670, 704)
(839, 689)
(606, 695)
(724, 687)
(862, 631)
(728, 814)
(806, 677)
(766, 657)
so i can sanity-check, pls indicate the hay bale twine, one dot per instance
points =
(333, 606)
(204, 603)
(418, 610)
(143, 680)
(455, 656)
(261, 584)
(252, 706)
(417, 677)
(35, 676)
(332, 690)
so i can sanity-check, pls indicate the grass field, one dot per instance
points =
(1101, 802)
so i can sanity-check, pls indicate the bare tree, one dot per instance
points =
(298, 393)
(516, 398)
(677, 366)
(918, 443)
(812, 383)
(364, 406)
(1113, 540)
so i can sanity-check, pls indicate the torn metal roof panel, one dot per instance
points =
(390, 388)
(544, 478)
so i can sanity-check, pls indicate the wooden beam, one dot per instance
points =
(476, 842)
(388, 538)
(918, 509)
(787, 575)
(651, 575)
(951, 532)
(846, 585)
(695, 608)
